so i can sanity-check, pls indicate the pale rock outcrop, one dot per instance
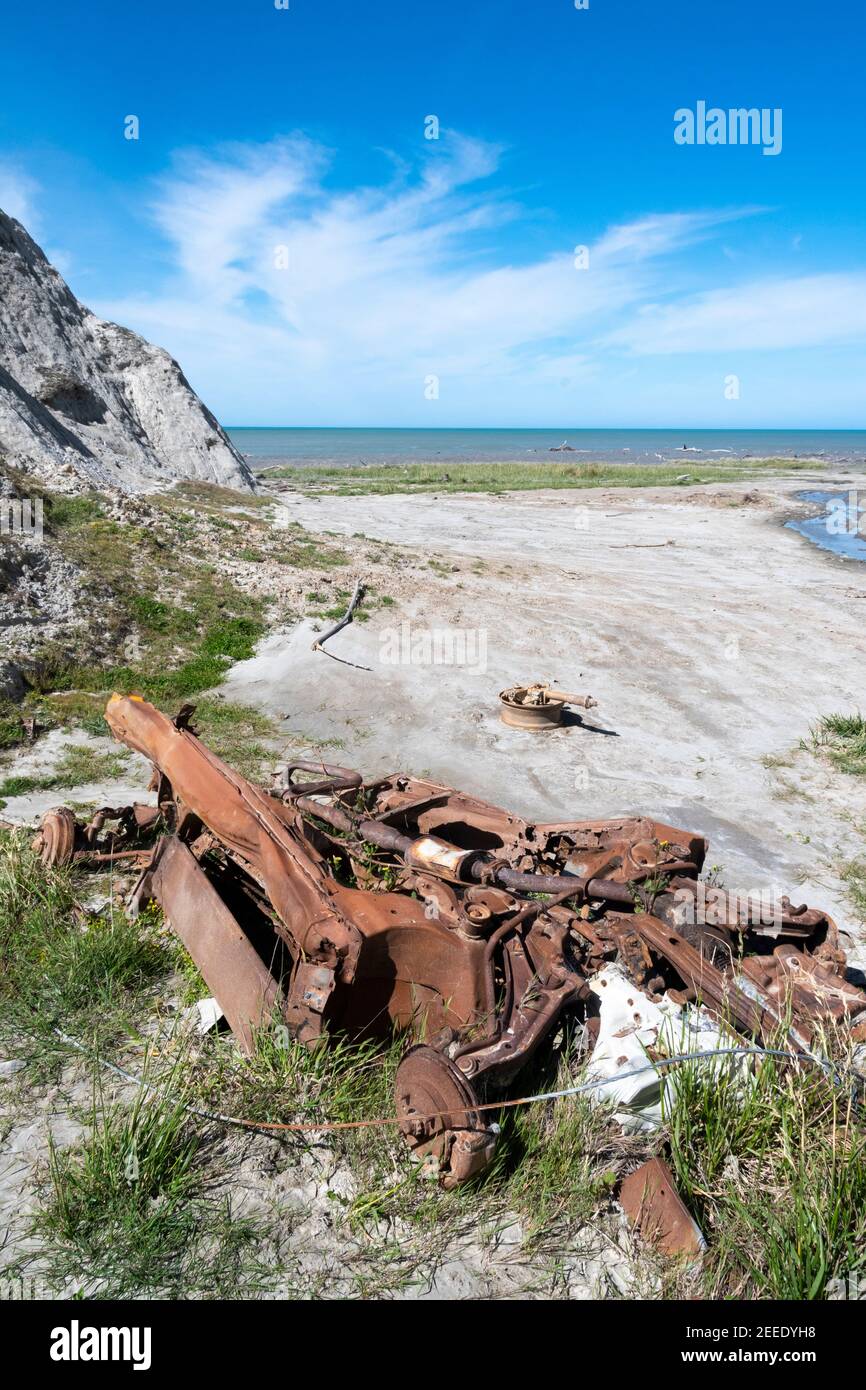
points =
(86, 403)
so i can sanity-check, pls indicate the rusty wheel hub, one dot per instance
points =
(544, 714)
(438, 1117)
(55, 842)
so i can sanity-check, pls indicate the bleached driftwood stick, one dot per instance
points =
(319, 644)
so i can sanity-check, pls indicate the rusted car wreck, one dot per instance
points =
(332, 903)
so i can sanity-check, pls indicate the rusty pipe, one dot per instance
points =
(373, 831)
(336, 779)
(581, 701)
(386, 837)
(519, 882)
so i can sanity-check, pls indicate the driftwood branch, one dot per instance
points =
(319, 644)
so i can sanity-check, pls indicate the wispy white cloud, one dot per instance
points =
(291, 298)
(660, 233)
(19, 195)
(774, 314)
(319, 289)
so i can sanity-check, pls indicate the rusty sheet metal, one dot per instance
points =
(650, 1200)
(247, 991)
(704, 982)
(790, 975)
(360, 907)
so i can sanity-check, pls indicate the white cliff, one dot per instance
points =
(86, 403)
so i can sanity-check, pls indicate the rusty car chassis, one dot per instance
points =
(335, 904)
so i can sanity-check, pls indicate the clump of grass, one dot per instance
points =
(286, 1081)
(239, 734)
(775, 1174)
(854, 876)
(312, 554)
(60, 966)
(12, 732)
(78, 709)
(133, 1158)
(67, 513)
(125, 1212)
(843, 738)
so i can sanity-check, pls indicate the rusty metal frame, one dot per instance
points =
(335, 904)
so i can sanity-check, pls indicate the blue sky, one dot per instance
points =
(284, 228)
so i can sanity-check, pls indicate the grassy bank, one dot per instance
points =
(385, 479)
(169, 622)
(170, 601)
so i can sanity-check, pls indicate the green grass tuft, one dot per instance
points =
(126, 1215)
(854, 876)
(61, 966)
(843, 738)
(775, 1174)
(76, 766)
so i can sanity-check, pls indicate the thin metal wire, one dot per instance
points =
(310, 1127)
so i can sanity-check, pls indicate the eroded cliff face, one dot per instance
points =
(85, 403)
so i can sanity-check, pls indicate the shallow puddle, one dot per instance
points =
(840, 525)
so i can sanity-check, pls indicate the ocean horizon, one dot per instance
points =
(268, 446)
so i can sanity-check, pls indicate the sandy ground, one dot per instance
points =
(40, 761)
(711, 635)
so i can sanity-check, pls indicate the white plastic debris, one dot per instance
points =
(205, 1014)
(630, 1024)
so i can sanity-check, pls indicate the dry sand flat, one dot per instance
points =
(711, 635)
